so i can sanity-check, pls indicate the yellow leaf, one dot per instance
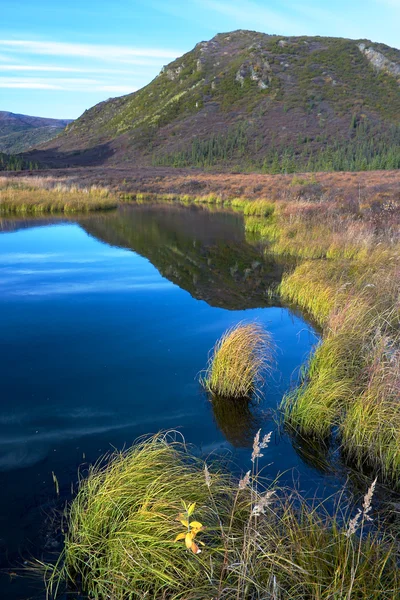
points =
(195, 549)
(202, 543)
(191, 508)
(196, 525)
(180, 536)
(184, 523)
(189, 540)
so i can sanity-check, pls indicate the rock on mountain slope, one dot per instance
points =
(19, 133)
(248, 99)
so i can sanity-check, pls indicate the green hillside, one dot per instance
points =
(251, 100)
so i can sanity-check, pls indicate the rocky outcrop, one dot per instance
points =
(380, 62)
(258, 71)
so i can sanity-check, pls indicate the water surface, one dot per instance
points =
(106, 322)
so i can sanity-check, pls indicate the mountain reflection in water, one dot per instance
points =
(205, 253)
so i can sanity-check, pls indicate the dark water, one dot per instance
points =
(106, 322)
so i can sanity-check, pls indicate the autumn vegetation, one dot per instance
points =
(37, 195)
(157, 522)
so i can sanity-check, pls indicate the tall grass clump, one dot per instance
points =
(123, 522)
(155, 522)
(238, 362)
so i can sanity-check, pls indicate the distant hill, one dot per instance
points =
(19, 133)
(250, 100)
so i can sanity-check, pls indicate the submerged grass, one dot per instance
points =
(125, 526)
(238, 360)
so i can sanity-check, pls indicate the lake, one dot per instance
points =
(107, 321)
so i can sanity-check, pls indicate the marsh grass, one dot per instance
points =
(259, 208)
(239, 361)
(38, 195)
(352, 382)
(259, 541)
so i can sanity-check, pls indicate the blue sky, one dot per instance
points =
(59, 58)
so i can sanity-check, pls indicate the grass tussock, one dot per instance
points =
(38, 195)
(238, 362)
(155, 522)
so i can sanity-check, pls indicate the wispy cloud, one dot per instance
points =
(67, 84)
(95, 51)
(105, 70)
(61, 69)
(334, 19)
(27, 85)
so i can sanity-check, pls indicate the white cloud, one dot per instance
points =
(94, 51)
(60, 69)
(65, 84)
(32, 85)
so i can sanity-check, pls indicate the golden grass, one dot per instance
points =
(352, 384)
(256, 540)
(238, 362)
(39, 195)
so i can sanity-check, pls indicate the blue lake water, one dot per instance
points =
(106, 322)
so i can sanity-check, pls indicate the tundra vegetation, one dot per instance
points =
(157, 522)
(39, 195)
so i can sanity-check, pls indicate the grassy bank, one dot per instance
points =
(39, 195)
(155, 522)
(348, 280)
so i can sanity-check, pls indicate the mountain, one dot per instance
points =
(251, 100)
(19, 133)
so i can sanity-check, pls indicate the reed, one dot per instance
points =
(130, 533)
(238, 362)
